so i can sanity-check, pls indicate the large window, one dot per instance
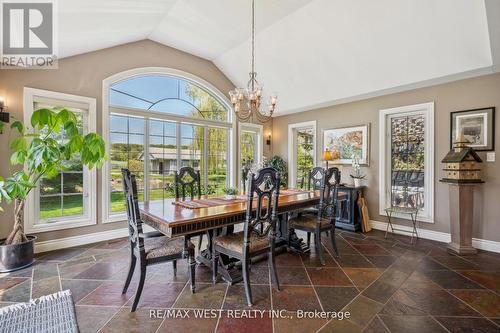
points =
(250, 148)
(301, 152)
(63, 201)
(407, 159)
(157, 124)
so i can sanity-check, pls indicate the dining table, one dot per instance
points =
(213, 216)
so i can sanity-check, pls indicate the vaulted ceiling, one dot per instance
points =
(310, 52)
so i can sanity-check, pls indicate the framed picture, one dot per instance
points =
(349, 142)
(477, 126)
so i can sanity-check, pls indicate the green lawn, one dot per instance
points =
(51, 206)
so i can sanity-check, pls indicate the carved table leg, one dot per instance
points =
(227, 266)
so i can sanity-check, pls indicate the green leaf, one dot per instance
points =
(19, 144)
(18, 125)
(18, 157)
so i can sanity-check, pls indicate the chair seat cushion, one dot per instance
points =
(234, 242)
(163, 246)
(308, 221)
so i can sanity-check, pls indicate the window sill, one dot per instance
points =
(61, 225)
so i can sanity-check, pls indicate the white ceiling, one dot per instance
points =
(310, 52)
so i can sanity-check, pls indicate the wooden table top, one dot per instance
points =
(174, 220)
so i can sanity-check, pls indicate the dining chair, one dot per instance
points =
(314, 183)
(259, 231)
(150, 251)
(323, 220)
(187, 184)
(186, 178)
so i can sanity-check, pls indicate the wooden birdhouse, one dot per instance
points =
(462, 164)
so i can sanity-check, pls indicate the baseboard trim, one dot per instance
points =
(62, 243)
(482, 244)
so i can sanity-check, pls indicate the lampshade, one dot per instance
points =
(327, 155)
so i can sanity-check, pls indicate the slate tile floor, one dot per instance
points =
(387, 285)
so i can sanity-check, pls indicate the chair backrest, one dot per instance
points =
(334, 173)
(187, 179)
(328, 195)
(264, 187)
(315, 178)
(133, 213)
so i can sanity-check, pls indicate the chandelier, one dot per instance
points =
(248, 101)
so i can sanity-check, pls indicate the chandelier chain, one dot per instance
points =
(247, 102)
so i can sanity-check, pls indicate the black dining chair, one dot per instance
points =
(188, 185)
(314, 180)
(150, 251)
(259, 232)
(323, 220)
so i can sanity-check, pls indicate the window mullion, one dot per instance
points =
(205, 157)
(178, 144)
(146, 159)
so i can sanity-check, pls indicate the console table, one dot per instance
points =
(349, 215)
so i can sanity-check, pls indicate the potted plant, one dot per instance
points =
(230, 193)
(356, 175)
(41, 152)
(279, 165)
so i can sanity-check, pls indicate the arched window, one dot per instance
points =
(158, 122)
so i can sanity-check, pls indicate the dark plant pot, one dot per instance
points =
(14, 257)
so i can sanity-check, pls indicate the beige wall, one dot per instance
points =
(83, 75)
(461, 95)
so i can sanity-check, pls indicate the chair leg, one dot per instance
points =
(308, 239)
(200, 240)
(334, 243)
(246, 281)
(192, 270)
(138, 292)
(131, 269)
(319, 248)
(215, 264)
(272, 265)
(174, 263)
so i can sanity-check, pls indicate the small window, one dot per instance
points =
(301, 152)
(406, 159)
(67, 200)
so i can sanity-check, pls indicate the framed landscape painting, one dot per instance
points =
(348, 142)
(477, 127)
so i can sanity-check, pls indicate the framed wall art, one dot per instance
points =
(347, 143)
(477, 127)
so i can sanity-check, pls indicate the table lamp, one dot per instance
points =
(327, 156)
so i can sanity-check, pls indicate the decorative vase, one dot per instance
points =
(357, 182)
(230, 197)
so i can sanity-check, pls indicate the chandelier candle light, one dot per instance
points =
(248, 101)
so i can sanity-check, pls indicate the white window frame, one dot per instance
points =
(31, 223)
(427, 110)
(252, 128)
(107, 110)
(292, 152)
